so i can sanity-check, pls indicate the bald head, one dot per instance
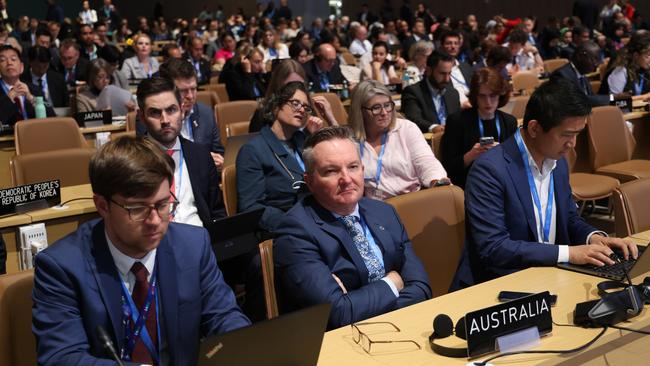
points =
(326, 57)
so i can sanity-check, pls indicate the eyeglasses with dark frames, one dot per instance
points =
(377, 108)
(366, 343)
(140, 212)
(295, 105)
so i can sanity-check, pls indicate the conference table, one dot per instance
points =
(614, 348)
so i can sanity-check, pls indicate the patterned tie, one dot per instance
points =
(21, 111)
(170, 152)
(324, 81)
(375, 268)
(140, 290)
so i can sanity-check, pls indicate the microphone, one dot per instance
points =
(107, 344)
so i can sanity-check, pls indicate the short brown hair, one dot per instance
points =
(493, 80)
(130, 166)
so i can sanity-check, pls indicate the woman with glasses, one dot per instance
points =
(471, 132)
(142, 65)
(270, 166)
(99, 77)
(395, 155)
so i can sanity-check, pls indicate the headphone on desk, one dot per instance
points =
(443, 327)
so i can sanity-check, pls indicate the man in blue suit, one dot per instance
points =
(153, 286)
(340, 248)
(518, 205)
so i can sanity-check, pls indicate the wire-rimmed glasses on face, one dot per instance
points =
(140, 212)
(366, 343)
(295, 105)
(377, 108)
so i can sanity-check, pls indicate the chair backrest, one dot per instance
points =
(337, 107)
(235, 142)
(349, 58)
(268, 276)
(220, 90)
(610, 141)
(47, 134)
(435, 222)
(436, 138)
(595, 85)
(229, 188)
(519, 105)
(632, 207)
(237, 128)
(554, 64)
(69, 165)
(207, 97)
(229, 112)
(130, 121)
(526, 81)
(17, 342)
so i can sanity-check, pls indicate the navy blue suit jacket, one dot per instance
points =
(501, 234)
(9, 110)
(567, 72)
(77, 287)
(312, 245)
(263, 181)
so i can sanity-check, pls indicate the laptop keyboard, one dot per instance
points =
(617, 269)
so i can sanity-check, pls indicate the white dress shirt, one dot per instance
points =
(186, 212)
(459, 82)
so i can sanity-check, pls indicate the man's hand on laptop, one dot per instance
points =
(627, 247)
(590, 254)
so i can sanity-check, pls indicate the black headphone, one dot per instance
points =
(443, 327)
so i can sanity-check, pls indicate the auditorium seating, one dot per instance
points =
(68, 165)
(338, 110)
(229, 112)
(525, 82)
(47, 134)
(587, 187)
(207, 97)
(17, 342)
(268, 276)
(220, 90)
(632, 207)
(554, 64)
(229, 188)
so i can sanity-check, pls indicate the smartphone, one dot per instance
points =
(484, 141)
(442, 182)
(512, 295)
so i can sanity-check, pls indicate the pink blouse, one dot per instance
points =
(408, 163)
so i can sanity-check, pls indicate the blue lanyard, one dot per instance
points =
(384, 137)
(463, 83)
(5, 87)
(481, 129)
(296, 155)
(190, 132)
(533, 188)
(131, 314)
(638, 87)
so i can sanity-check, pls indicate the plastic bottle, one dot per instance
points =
(345, 93)
(406, 78)
(39, 108)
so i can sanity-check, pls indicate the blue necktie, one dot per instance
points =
(324, 81)
(375, 268)
(442, 111)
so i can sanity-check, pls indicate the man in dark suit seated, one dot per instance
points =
(429, 101)
(340, 248)
(198, 124)
(197, 57)
(323, 70)
(518, 205)
(131, 261)
(196, 181)
(70, 65)
(49, 83)
(461, 73)
(584, 61)
(16, 98)
(418, 32)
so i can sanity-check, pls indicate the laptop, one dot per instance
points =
(291, 339)
(233, 145)
(235, 235)
(616, 271)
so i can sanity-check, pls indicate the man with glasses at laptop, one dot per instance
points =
(152, 285)
(518, 204)
(338, 247)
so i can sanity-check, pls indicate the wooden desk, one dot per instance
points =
(59, 222)
(8, 149)
(416, 323)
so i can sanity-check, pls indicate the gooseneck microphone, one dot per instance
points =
(107, 344)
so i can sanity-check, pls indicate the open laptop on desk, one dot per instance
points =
(616, 271)
(292, 339)
(235, 235)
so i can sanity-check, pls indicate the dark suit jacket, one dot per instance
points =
(9, 110)
(334, 75)
(55, 85)
(501, 234)
(461, 133)
(569, 73)
(77, 287)
(467, 71)
(239, 84)
(406, 46)
(417, 104)
(80, 71)
(206, 70)
(312, 245)
(263, 182)
(205, 181)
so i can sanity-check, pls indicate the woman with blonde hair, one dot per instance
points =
(395, 155)
(142, 65)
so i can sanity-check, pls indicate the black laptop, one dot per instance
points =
(634, 267)
(235, 235)
(292, 339)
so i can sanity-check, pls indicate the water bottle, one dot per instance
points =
(406, 78)
(39, 108)
(345, 92)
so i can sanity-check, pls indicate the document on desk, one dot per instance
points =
(114, 98)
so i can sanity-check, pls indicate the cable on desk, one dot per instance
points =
(74, 199)
(630, 329)
(577, 349)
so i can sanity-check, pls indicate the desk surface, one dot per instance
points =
(416, 323)
(83, 204)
